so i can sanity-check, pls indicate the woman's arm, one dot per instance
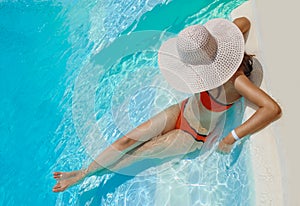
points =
(243, 23)
(267, 112)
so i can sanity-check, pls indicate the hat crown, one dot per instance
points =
(196, 45)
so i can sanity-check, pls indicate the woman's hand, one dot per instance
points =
(226, 145)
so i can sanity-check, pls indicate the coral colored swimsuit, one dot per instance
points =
(209, 103)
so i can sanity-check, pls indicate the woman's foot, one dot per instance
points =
(65, 175)
(67, 179)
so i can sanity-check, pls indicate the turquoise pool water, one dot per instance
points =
(59, 108)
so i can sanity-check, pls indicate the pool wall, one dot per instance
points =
(280, 37)
(263, 145)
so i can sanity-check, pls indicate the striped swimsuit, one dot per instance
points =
(209, 103)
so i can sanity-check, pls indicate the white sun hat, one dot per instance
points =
(202, 57)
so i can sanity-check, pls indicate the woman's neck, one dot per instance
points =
(226, 93)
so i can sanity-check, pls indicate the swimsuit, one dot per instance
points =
(210, 104)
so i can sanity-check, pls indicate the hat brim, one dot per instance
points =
(197, 78)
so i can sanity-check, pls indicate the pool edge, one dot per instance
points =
(265, 160)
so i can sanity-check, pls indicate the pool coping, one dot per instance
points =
(265, 160)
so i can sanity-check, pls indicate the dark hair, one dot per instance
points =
(247, 64)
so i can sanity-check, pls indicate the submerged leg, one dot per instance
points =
(159, 124)
(173, 143)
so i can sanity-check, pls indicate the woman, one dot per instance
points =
(208, 61)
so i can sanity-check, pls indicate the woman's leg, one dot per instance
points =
(173, 143)
(159, 124)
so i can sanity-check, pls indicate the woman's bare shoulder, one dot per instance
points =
(251, 92)
(237, 74)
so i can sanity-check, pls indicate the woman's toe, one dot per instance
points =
(57, 175)
(56, 187)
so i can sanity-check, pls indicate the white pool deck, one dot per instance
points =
(279, 27)
(278, 23)
(274, 158)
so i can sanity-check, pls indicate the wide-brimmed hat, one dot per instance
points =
(202, 57)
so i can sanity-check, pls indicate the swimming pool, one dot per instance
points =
(47, 50)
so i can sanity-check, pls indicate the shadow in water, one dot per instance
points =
(113, 180)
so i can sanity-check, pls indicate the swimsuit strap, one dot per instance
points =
(183, 124)
(212, 104)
